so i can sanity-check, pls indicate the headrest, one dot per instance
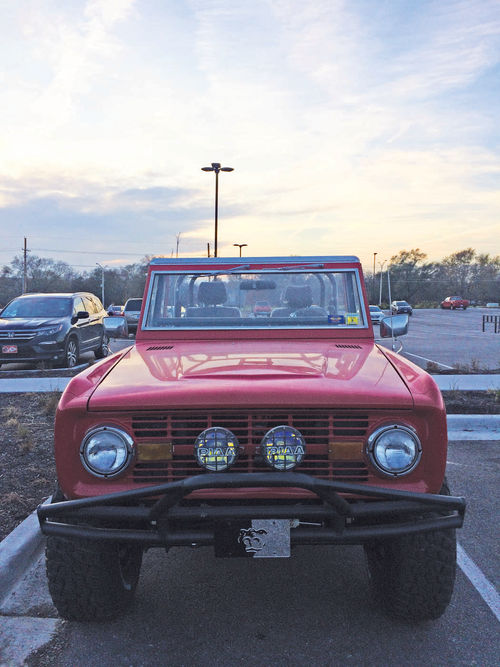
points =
(212, 294)
(298, 296)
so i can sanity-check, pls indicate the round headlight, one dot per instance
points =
(283, 447)
(106, 451)
(216, 449)
(394, 449)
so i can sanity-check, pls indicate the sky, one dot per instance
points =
(354, 127)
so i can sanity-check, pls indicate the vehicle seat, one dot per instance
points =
(211, 296)
(300, 303)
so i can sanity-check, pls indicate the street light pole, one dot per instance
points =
(240, 246)
(102, 282)
(374, 286)
(216, 168)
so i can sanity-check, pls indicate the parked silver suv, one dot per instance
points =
(132, 310)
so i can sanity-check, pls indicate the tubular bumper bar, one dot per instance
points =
(386, 513)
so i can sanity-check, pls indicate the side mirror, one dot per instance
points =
(397, 325)
(82, 315)
(115, 327)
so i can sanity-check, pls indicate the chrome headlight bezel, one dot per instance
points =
(125, 444)
(379, 459)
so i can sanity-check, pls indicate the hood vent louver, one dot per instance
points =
(159, 347)
(352, 346)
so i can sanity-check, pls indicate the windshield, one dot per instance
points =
(221, 300)
(133, 304)
(39, 306)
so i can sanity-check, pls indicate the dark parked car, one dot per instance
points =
(401, 307)
(115, 311)
(131, 311)
(55, 328)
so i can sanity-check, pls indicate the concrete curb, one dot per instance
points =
(18, 551)
(473, 427)
(467, 382)
(32, 385)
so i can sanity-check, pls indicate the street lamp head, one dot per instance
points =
(227, 168)
(207, 169)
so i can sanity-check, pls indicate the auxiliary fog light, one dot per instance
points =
(216, 449)
(394, 449)
(283, 447)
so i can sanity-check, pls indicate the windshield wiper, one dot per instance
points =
(243, 267)
(301, 266)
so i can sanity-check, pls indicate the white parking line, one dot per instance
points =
(430, 360)
(485, 589)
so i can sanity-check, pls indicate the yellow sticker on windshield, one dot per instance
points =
(352, 319)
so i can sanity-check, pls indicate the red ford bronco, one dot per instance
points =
(252, 435)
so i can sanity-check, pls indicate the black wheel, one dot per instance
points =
(413, 576)
(71, 352)
(103, 349)
(91, 580)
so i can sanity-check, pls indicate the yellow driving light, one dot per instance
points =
(283, 447)
(216, 449)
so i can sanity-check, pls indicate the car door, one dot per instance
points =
(97, 326)
(93, 329)
(81, 325)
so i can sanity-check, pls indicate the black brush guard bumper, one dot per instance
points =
(154, 516)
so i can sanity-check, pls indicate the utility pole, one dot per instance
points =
(25, 266)
(102, 282)
(381, 264)
(178, 236)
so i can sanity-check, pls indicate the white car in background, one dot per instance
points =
(376, 314)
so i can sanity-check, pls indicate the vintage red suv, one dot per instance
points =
(252, 435)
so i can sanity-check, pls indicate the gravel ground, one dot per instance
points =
(27, 470)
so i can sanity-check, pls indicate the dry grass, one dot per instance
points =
(49, 402)
(12, 422)
(11, 412)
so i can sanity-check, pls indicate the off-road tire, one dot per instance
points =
(413, 576)
(71, 353)
(91, 580)
(103, 349)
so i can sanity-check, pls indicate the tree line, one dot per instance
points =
(465, 273)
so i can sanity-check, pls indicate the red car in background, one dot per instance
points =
(262, 309)
(455, 302)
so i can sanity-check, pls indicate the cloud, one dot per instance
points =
(351, 126)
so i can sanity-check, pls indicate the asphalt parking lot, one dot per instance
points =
(450, 337)
(315, 608)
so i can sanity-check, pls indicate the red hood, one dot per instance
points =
(236, 374)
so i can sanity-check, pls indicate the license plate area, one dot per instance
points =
(258, 538)
(9, 349)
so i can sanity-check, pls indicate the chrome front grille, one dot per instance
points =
(320, 429)
(17, 334)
